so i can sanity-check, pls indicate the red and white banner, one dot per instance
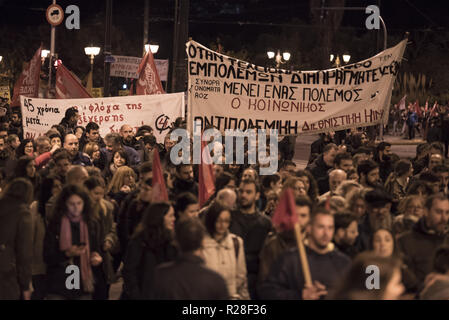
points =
(28, 83)
(68, 86)
(149, 81)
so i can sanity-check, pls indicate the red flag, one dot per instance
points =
(206, 177)
(159, 189)
(417, 109)
(285, 215)
(149, 81)
(68, 86)
(28, 82)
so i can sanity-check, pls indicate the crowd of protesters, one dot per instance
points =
(72, 197)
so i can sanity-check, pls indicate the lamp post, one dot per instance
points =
(280, 59)
(153, 47)
(91, 52)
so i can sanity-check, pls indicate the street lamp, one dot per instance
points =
(280, 59)
(153, 47)
(92, 52)
(1, 58)
(336, 58)
(44, 55)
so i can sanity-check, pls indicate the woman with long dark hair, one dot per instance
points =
(25, 168)
(150, 245)
(71, 240)
(26, 148)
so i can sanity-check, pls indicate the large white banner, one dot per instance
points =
(158, 111)
(234, 94)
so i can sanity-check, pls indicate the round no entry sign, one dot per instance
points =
(55, 15)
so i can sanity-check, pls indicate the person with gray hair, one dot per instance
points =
(227, 197)
(113, 143)
(336, 177)
(76, 175)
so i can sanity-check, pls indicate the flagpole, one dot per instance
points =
(303, 256)
(52, 53)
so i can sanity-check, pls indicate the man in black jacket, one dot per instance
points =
(327, 265)
(184, 181)
(320, 167)
(419, 245)
(252, 226)
(187, 278)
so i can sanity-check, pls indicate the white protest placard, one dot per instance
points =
(158, 111)
(233, 94)
(127, 67)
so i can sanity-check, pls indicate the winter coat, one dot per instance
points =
(16, 249)
(418, 247)
(227, 257)
(187, 278)
(139, 265)
(38, 235)
(286, 280)
(275, 245)
(180, 186)
(57, 261)
(318, 168)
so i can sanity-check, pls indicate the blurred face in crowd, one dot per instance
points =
(31, 169)
(29, 149)
(97, 194)
(336, 177)
(191, 211)
(394, 288)
(169, 219)
(73, 120)
(15, 120)
(96, 152)
(62, 166)
(186, 173)
(2, 144)
(127, 132)
(277, 186)
(249, 174)
(222, 224)
(329, 157)
(168, 144)
(71, 144)
(55, 140)
(380, 217)
(384, 155)
(15, 143)
(303, 215)
(79, 133)
(438, 216)
(129, 181)
(444, 179)
(321, 231)
(372, 179)
(435, 160)
(43, 147)
(287, 171)
(300, 188)
(359, 208)
(383, 243)
(415, 208)
(119, 161)
(349, 235)
(364, 139)
(346, 165)
(146, 192)
(57, 187)
(75, 205)
(93, 135)
(247, 196)
(306, 182)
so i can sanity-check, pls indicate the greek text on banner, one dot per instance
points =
(158, 111)
(233, 94)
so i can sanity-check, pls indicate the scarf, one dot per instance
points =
(65, 243)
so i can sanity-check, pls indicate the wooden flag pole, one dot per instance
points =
(303, 256)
